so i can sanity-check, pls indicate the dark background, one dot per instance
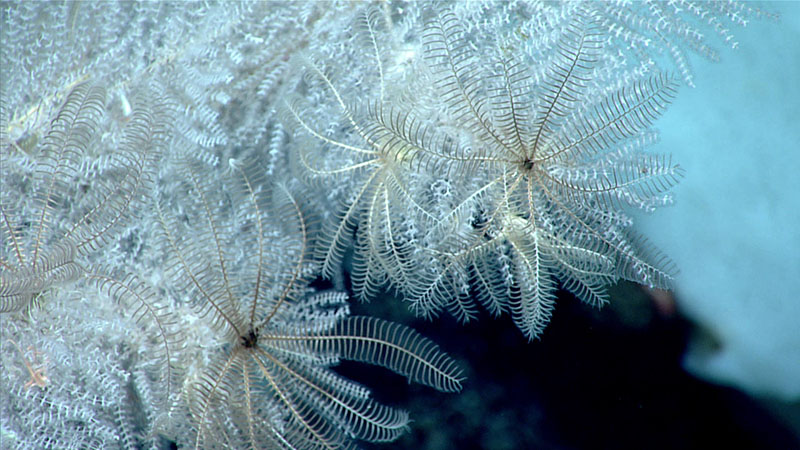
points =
(605, 378)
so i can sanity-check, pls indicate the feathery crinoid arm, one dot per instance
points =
(19, 286)
(66, 143)
(564, 90)
(35, 256)
(316, 333)
(200, 246)
(620, 115)
(350, 160)
(394, 346)
(597, 168)
(13, 253)
(643, 30)
(285, 268)
(124, 177)
(460, 77)
(138, 300)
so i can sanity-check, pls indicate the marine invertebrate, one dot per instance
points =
(268, 380)
(518, 183)
(558, 159)
(78, 382)
(84, 183)
(45, 232)
(377, 159)
(36, 366)
(541, 165)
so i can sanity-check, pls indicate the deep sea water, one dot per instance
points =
(735, 228)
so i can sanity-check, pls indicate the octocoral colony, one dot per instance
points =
(189, 176)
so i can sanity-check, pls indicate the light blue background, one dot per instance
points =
(734, 231)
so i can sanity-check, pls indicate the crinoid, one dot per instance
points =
(559, 159)
(242, 254)
(59, 205)
(41, 243)
(375, 161)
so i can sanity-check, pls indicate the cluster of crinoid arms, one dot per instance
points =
(523, 190)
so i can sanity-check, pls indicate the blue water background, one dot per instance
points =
(734, 231)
